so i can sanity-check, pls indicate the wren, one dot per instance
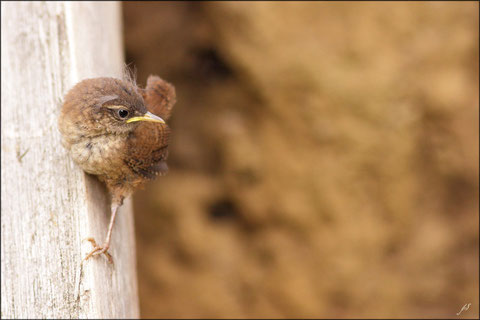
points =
(116, 131)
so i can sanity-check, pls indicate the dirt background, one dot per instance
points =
(324, 159)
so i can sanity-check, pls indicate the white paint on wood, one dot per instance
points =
(48, 204)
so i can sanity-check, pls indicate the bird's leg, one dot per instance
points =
(104, 249)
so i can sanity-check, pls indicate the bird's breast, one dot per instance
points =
(100, 155)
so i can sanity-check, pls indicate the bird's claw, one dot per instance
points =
(98, 250)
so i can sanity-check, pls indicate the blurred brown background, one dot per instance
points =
(324, 159)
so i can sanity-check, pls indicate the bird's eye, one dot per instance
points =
(122, 113)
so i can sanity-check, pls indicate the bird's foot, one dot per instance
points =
(98, 250)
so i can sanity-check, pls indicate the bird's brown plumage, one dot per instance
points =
(122, 155)
(159, 97)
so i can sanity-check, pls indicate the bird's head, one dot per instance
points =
(104, 106)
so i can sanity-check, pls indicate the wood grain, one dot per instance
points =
(48, 204)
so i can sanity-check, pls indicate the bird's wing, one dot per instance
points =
(147, 149)
(159, 96)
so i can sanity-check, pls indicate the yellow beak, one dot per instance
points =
(147, 117)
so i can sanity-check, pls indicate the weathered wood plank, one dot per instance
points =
(48, 204)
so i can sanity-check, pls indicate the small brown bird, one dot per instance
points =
(115, 130)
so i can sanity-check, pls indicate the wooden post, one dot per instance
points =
(48, 204)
